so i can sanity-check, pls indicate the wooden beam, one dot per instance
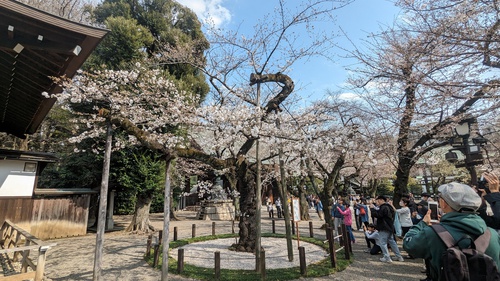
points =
(19, 277)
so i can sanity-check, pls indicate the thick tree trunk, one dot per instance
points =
(140, 221)
(247, 224)
(371, 190)
(330, 189)
(402, 175)
(173, 215)
(326, 199)
(405, 156)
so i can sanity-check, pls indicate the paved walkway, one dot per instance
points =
(72, 258)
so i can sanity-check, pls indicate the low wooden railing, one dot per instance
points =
(16, 245)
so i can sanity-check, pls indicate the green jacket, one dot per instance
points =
(421, 241)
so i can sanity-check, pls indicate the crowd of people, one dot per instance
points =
(464, 211)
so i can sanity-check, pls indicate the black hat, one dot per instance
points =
(425, 194)
(382, 197)
(423, 203)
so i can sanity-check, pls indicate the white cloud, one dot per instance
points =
(349, 96)
(209, 11)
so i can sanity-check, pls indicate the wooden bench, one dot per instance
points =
(16, 245)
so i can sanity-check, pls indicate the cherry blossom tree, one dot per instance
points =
(421, 80)
(141, 102)
(237, 63)
(335, 145)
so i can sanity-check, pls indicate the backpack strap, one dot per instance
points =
(483, 241)
(444, 235)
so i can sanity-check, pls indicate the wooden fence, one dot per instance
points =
(16, 246)
(48, 217)
(153, 247)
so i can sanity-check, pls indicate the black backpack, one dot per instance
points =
(468, 264)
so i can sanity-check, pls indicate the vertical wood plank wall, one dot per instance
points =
(50, 217)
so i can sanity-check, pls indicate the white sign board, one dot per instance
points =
(17, 178)
(296, 209)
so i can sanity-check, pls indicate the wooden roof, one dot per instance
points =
(8, 154)
(35, 45)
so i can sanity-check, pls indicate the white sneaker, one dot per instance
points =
(400, 258)
(367, 250)
(388, 260)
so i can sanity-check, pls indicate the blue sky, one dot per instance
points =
(357, 20)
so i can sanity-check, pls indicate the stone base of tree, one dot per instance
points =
(216, 210)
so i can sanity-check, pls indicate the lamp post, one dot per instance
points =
(471, 150)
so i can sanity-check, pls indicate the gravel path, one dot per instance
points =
(202, 254)
(73, 258)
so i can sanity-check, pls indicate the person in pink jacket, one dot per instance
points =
(348, 220)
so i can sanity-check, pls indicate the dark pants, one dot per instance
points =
(369, 241)
(404, 230)
(271, 213)
(278, 210)
(375, 250)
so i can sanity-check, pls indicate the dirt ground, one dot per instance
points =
(73, 258)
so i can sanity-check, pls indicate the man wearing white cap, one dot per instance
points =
(459, 202)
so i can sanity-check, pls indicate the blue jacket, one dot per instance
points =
(335, 212)
(319, 206)
(365, 217)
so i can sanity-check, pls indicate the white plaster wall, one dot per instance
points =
(14, 181)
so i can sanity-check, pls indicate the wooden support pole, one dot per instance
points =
(40, 266)
(175, 233)
(213, 228)
(148, 245)
(311, 232)
(298, 234)
(180, 260)
(193, 231)
(347, 243)
(156, 256)
(341, 233)
(217, 265)
(331, 247)
(273, 223)
(302, 259)
(293, 228)
(160, 236)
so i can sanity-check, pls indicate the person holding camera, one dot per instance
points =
(372, 237)
(385, 227)
(459, 203)
(488, 188)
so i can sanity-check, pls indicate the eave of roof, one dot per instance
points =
(63, 191)
(27, 155)
(34, 46)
